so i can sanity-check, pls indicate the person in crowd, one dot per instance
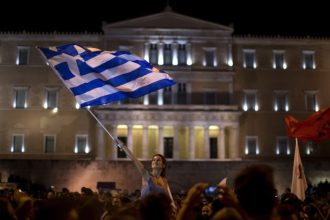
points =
(254, 188)
(154, 181)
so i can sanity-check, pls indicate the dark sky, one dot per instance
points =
(268, 17)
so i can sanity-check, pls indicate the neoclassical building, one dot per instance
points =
(228, 104)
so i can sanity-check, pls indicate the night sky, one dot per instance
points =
(268, 17)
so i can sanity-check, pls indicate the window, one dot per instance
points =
(209, 57)
(279, 61)
(251, 145)
(213, 147)
(81, 144)
(182, 54)
(22, 56)
(311, 101)
(49, 143)
(210, 98)
(18, 143)
(167, 95)
(282, 146)
(308, 59)
(281, 101)
(153, 54)
(51, 98)
(250, 102)
(182, 93)
(249, 59)
(168, 147)
(121, 153)
(168, 54)
(20, 97)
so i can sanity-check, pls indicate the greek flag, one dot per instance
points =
(98, 77)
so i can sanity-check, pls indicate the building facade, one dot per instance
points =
(228, 104)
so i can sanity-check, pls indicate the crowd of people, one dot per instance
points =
(252, 196)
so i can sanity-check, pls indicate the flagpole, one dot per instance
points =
(119, 143)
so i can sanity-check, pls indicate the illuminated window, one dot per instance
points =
(279, 59)
(49, 143)
(308, 59)
(22, 56)
(18, 143)
(153, 54)
(250, 102)
(168, 54)
(251, 145)
(249, 58)
(182, 54)
(81, 144)
(209, 57)
(20, 97)
(51, 98)
(281, 101)
(311, 101)
(282, 146)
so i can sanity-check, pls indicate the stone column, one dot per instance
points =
(146, 51)
(114, 148)
(160, 48)
(130, 137)
(160, 147)
(100, 151)
(206, 143)
(234, 142)
(145, 142)
(175, 54)
(176, 145)
(221, 143)
(191, 143)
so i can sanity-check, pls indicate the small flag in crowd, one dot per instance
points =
(299, 183)
(98, 77)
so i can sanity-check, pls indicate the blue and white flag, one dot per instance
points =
(98, 77)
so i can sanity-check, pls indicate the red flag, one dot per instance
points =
(315, 128)
(299, 183)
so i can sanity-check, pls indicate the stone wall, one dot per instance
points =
(181, 174)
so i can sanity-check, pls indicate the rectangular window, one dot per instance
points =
(168, 54)
(22, 56)
(49, 143)
(153, 54)
(281, 101)
(18, 143)
(167, 95)
(282, 146)
(20, 97)
(279, 61)
(311, 101)
(182, 93)
(81, 144)
(213, 147)
(308, 59)
(168, 147)
(251, 145)
(249, 58)
(250, 102)
(51, 98)
(209, 57)
(182, 54)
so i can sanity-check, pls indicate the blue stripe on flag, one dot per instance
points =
(99, 77)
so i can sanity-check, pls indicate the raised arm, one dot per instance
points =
(137, 163)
